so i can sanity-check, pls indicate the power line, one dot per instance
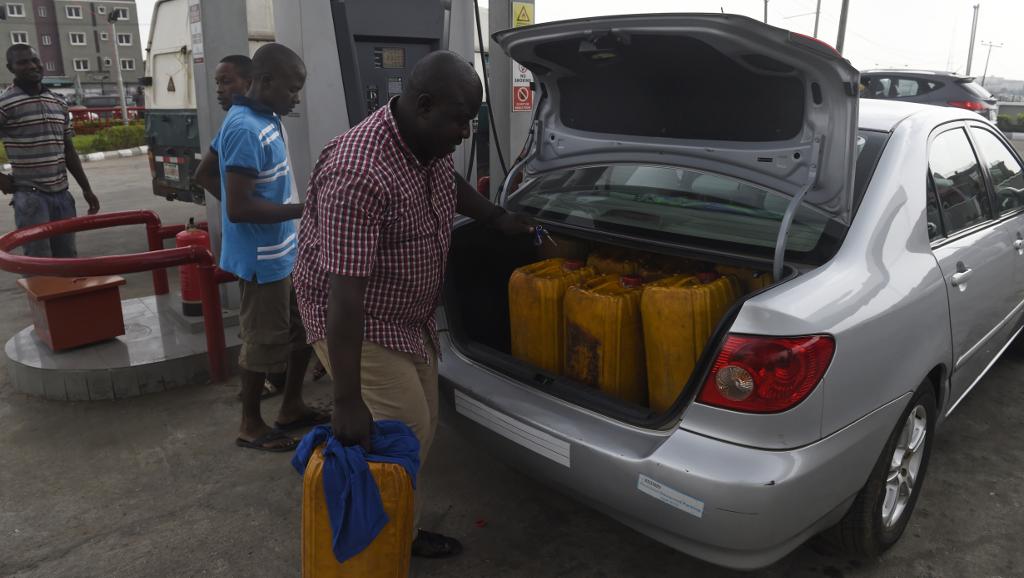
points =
(990, 46)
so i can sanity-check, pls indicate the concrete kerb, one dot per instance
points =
(93, 157)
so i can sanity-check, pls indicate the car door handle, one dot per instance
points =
(960, 278)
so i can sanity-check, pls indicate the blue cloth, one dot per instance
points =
(251, 142)
(353, 499)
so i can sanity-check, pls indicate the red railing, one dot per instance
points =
(93, 119)
(157, 259)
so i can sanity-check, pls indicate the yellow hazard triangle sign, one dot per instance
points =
(522, 14)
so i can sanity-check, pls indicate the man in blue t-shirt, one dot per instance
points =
(259, 245)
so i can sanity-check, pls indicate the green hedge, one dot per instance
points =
(119, 137)
(109, 139)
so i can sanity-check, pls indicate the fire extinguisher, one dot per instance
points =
(191, 300)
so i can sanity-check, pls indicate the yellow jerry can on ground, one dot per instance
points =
(750, 279)
(679, 314)
(535, 295)
(387, 556)
(604, 344)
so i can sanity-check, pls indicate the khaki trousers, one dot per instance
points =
(399, 386)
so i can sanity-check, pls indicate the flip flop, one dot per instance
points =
(309, 420)
(271, 436)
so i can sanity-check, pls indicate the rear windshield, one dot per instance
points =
(674, 203)
(976, 89)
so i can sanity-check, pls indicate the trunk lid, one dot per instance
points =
(714, 92)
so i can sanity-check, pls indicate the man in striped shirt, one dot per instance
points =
(36, 131)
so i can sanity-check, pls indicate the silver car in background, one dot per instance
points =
(894, 232)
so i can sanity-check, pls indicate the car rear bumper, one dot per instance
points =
(732, 505)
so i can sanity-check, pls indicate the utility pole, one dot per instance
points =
(766, 11)
(817, 17)
(990, 45)
(842, 26)
(112, 18)
(974, 29)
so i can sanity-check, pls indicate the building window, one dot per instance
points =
(19, 37)
(124, 39)
(101, 9)
(73, 12)
(76, 38)
(81, 64)
(107, 62)
(46, 39)
(16, 10)
(104, 36)
(121, 13)
(127, 64)
(42, 12)
(50, 66)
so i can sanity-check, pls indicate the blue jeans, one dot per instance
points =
(34, 207)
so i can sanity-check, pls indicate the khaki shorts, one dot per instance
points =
(270, 326)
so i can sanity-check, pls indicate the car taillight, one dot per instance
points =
(766, 374)
(968, 104)
(814, 43)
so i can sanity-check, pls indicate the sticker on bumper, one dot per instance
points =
(677, 500)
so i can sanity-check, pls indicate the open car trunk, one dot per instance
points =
(477, 307)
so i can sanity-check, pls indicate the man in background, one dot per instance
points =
(36, 130)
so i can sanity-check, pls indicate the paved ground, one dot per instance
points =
(154, 487)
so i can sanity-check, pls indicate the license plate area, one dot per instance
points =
(172, 172)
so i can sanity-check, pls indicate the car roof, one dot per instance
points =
(910, 72)
(884, 115)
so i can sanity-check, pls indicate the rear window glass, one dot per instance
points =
(674, 203)
(976, 89)
(674, 87)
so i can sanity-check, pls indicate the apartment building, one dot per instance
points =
(76, 43)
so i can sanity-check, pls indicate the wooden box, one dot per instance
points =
(74, 311)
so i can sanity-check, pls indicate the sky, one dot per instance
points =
(929, 34)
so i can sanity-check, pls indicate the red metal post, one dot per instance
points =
(213, 321)
(156, 243)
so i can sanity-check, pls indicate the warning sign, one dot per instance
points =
(520, 75)
(522, 14)
(522, 99)
(195, 27)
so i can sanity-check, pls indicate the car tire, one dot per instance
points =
(883, 507)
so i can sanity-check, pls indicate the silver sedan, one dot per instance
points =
(894, 234)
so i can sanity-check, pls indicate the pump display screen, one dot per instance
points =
(389, 57)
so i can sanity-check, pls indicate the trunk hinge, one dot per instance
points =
(526, 155)
(794, 204)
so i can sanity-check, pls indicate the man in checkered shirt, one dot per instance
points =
(373, 244)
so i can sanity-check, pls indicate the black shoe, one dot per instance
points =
(431, 545)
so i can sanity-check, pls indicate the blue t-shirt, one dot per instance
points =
(251, 142)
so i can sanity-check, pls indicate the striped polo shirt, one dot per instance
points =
(33, 129)
(251, 142)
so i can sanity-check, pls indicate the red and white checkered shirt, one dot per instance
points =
(374, 210)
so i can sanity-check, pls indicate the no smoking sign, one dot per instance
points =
(522, 99)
